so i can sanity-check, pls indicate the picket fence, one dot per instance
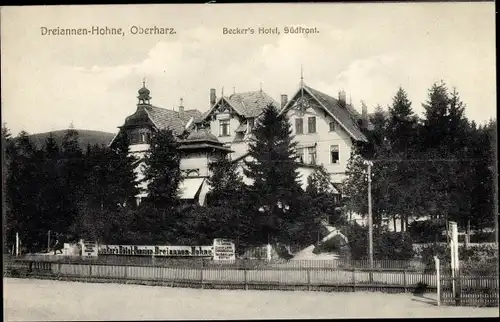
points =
(477, 285)
(299, 275)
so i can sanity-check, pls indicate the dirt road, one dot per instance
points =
(30, 300)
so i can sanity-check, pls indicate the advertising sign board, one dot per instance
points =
(159, 251)
(224, 250)
(89, 249)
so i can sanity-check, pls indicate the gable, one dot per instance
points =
(220, 107)
(330, 106)
(245, 104)
(305, 104)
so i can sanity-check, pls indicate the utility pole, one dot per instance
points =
(370, 217)
(495, 203)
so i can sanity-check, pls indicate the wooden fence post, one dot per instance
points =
(438, 278)
(308, 279)
(245, 272)
(126, 274)
(354, 279)
(90, 270)
(201, 277)
(405, 281)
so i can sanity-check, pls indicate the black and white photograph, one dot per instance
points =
(249, 161)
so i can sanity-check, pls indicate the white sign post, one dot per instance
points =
(89, 249)
(224, 250)
(454, 256)
(17, 244)
(438, 278)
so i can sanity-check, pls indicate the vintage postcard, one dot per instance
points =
(249, 161)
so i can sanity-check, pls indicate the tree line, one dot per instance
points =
(90, 193)
(438, 165)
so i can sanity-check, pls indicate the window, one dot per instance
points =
(299, 126)
(300, 155)
(311, 124)
(224, 128)
(332, 126)
(334, 154)
(133, 137)
(148, 137)
(143, 137)
(312, 154)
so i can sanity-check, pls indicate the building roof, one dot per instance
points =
(343, 115)
(188, 114)
(202, 139)
(163, 118)
(242, 127)
(144, 91)
(346, 116)
(251, 104)
(245, 104)
(203, 146)
(202, 135)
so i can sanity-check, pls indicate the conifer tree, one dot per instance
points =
(273, 171)
(162, 173)
(7, 155)
(434, 129)
(122, 175)
(225, 181)
(72, 177)
(354, 185)
(52, 188)
(23, 191)
(401, 127)
(401, 136)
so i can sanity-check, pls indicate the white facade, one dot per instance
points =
(321, 141)
(319, 144)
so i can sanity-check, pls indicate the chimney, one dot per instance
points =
(342, 98)
(284, 100)
(181, 108)
(213, 97)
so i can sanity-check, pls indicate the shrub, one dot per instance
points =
(483, 237)
(428, 231)
(480, 255)
(394, 246)
(386, 245)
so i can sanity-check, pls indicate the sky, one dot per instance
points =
(367, 50)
